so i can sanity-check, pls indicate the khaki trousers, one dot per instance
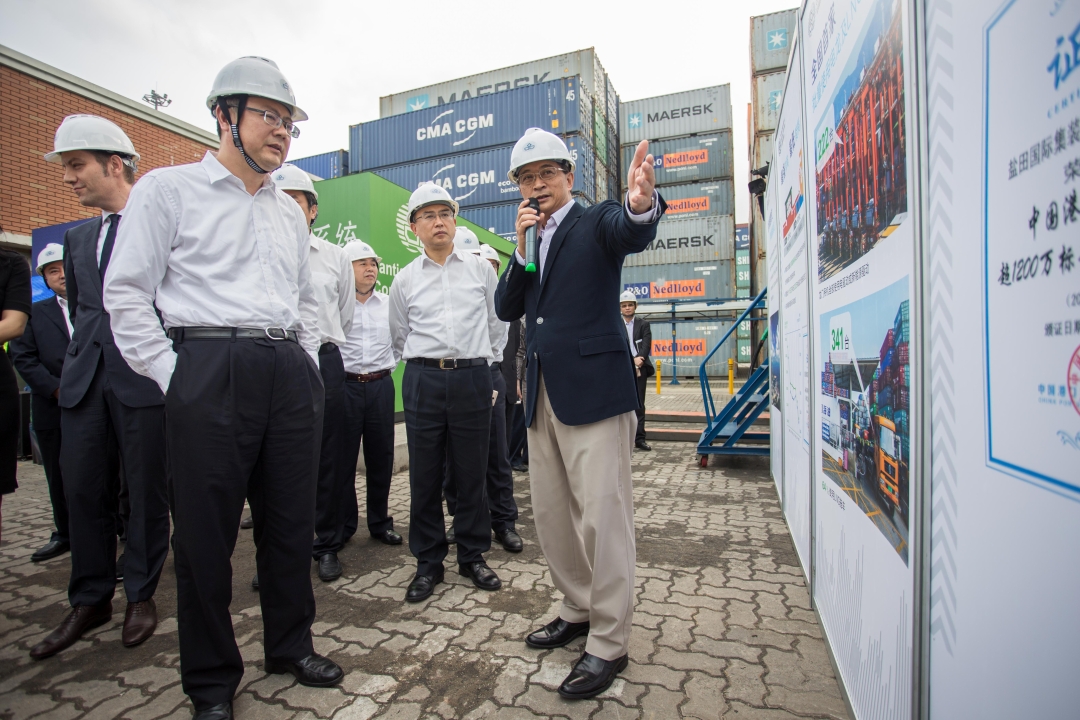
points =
(583, 501)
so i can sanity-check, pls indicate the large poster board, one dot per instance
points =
(856, 88)
(775, 302)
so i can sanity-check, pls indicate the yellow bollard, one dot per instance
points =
(657, 377)
(731, 376)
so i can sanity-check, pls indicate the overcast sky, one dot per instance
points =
(340, 56)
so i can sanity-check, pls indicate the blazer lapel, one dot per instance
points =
(556, 242)
(55, 314)
(90, 236)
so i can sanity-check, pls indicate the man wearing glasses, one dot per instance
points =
(223, 255)
(443, 324)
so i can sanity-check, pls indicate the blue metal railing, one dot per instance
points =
(706, 390)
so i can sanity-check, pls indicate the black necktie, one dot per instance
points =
(106, 249)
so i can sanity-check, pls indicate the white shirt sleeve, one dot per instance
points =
(646, 217)
(497, 329)
(346, 293)
(307, 303)
(399, 315)
(138, 264)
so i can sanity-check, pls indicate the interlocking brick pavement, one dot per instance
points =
(722, 628)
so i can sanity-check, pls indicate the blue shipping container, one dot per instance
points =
(501, 219)
(479, 178)
(354, 148)
(326, 165)
(482, 122)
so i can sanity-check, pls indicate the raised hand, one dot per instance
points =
(641, 180)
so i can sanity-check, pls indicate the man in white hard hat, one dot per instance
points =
(639, 334)
(443, 324)
(580, 399)
(39, 357)
(369, 403)
(224, 257)
(332, 278)
(107, 408)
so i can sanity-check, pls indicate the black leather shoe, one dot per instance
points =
(642, 445)
(509, 539)
(329, 567)
(51, 549)
(120, 568)
(450, 539)
(255, 582)
(216, 712)
(388, 538)
(520, 467)
(313, 671)
(556, 633)
(482, 576)
(247, 523)
(422, 586)
(591, 676)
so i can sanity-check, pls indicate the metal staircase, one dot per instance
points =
(729, 432)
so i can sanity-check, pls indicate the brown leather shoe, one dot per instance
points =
(78, 621)
(140, 621)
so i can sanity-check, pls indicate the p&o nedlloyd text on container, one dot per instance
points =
(693, 240)
(680, 281)
(676, 115)
(692, 159)
(715, 197)
(770, 40)
(583, 63)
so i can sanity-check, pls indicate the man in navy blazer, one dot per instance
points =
(581, 396)
(39, 357)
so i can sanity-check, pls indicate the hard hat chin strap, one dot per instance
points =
(234, 128)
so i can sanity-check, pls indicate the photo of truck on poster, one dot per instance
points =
(774, 360)
(865, 407)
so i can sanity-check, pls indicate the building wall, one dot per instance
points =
(31, 192)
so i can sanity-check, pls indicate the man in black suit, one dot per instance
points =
(580, 396)
(639, 334)
(39, 357)
(106, 406)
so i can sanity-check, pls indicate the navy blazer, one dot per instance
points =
(39, 357)
(573, 327)
(92, 340)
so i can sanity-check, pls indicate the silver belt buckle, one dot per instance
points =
(271, 333)
(444, 366)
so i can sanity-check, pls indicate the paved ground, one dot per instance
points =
(722, 626)
(686, 396)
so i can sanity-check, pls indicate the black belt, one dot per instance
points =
(180, 334)
(448, 363)
(366, 377)
(327, 347)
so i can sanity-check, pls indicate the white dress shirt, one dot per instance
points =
(105, 223)
(207, 253)
(445, 311)
(367, 348)
(630, 335)
(497, 349)
(63, 303)
(335, 287)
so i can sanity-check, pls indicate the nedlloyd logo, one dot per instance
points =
(405, 234)
(777, 39)
(418, 102)
(635, 120)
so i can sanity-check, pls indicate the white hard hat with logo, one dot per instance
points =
(360, 250)
(489, 253)
(465, 239)
(253, 75)
(290, 177)
(429, 194)
(90, 132)
(536, 145)
(53, 252)
(628, 296)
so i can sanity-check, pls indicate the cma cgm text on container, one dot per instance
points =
(686, 160)
(676, 115)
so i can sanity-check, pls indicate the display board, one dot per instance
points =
(775, 302)
(856, 86)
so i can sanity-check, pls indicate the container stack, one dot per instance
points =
(890, 395)
(325, 166)
(770, 43)
(689, 136)
(460, 134)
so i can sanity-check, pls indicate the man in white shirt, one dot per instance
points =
(332, 278)
(369, 403)
(224, 257)
(443, 324)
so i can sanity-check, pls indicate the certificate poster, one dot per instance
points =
(856, 87)
(775, 300)
(787, 180)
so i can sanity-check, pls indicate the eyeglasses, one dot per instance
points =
(546, 174)
(275, 121)
(444, 215)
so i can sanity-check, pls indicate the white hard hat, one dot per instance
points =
(489, 253)
(536, 145)
(90, 132)
(53, 252)
(429, 194)
(257, 76)
(627, 296)
(465, 239)
(360, 250)
(290, 177)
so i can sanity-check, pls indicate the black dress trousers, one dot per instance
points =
(332, 454)
(642, 382)
(447, 413)
(244, 419)
(99, 434)
(369, 417)
(49, 444)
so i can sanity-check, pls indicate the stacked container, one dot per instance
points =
(771, 38)
(325, 166)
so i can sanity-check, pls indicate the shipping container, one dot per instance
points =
(583, 63)
(483, 122)
(676, 115)
(355, 147)
(501, 219)
(682, 240)
(479, 178)
(693, 341)
(771, 37)
(768, 92)
(692, 159)
(715, 197)
(325, 166)
(705, 280)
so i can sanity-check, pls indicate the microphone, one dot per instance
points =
(530, 240)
